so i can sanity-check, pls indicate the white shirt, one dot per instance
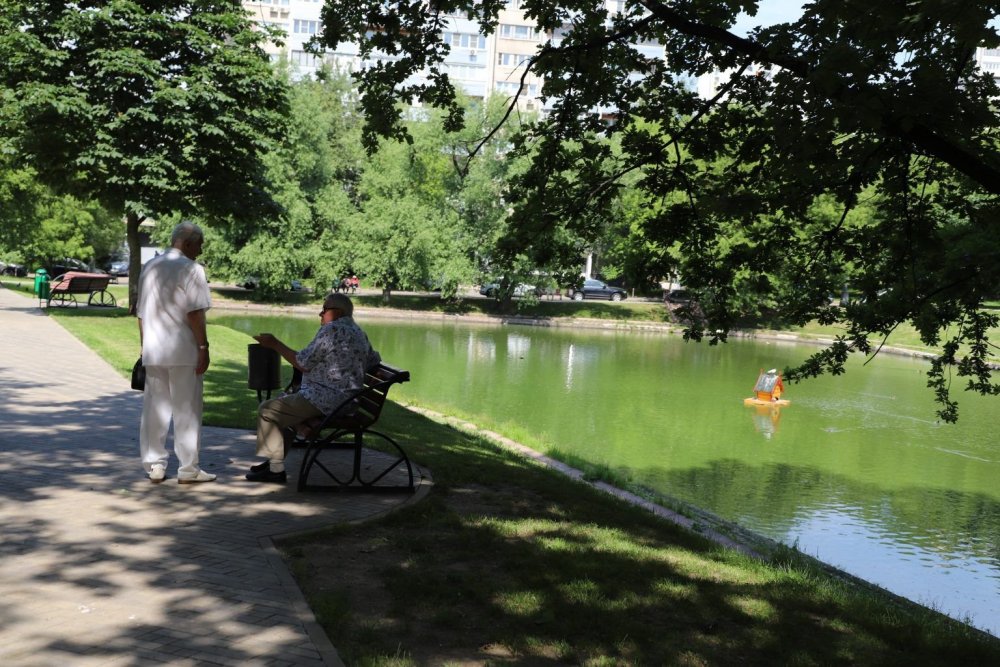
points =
(170, 287)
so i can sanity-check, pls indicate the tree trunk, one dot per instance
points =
(132, 221)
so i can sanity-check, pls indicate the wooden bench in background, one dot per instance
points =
(349, 427)
(63, 289)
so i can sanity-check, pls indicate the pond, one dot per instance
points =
(856, 471)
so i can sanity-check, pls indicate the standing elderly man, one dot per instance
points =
(173, 298)
(333, 366)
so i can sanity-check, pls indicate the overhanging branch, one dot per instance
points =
(924, 138)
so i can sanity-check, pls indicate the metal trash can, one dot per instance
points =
(263, 369)
(41, 288)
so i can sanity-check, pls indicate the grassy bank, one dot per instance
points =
(506, 562)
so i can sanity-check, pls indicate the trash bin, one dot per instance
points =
(263, 369)
(42, 284)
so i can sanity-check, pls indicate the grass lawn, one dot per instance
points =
(506, 562)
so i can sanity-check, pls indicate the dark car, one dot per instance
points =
(16, 270)
(596, 289)
(60, 266)
(251, 283)
(678, 296)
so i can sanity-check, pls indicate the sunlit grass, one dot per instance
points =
(114, 335)
(905, 337)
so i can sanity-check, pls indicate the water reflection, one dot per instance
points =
(856, 471)
(765, 419)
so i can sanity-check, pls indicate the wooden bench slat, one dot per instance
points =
(73, 282)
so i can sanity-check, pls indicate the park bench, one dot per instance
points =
(63, 289)
(349, 427)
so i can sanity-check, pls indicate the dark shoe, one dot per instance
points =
(261, 467)
(267, 476)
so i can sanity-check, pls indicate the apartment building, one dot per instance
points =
(480, 65)
(988, 61)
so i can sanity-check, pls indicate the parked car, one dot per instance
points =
(680, 297)
(11, 269)
(118, 267)
(251, 282)
(596, 289)
(65, 265)
(521, 289)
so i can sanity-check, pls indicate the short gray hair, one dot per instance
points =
(339, 301)
(186, 231)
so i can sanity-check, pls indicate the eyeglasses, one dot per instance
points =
(326, 309)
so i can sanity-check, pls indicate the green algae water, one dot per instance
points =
(856, 471)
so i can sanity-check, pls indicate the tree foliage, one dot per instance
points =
(312, 174)
(37, 226)
(146, 108)
(853, 101)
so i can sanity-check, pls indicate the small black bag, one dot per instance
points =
(139, 376)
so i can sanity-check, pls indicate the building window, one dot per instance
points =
(465, 71)
(302, 27)
(465, 40)
(513, 31)
(512, 59)
(304, 59)
(513, 87)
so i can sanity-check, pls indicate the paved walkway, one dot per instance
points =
(100, 567)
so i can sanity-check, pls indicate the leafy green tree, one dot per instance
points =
(67, 227)
(146, 108)
(38, 226)
(414, 192)
(850, 98)
(401, 242)
(20, 193)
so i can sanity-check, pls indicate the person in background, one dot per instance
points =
(173, 299)
(333, 367)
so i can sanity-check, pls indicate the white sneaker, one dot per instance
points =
(202, 476)
(157, 473)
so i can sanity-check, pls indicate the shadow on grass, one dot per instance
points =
(508, 562)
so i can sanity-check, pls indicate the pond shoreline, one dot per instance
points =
(665, 329)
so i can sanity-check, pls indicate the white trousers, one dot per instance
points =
(171, 392)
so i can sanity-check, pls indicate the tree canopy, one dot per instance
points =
(147, 108)
(753, 195)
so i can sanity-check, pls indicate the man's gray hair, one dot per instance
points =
(186, 231)
(340, 302)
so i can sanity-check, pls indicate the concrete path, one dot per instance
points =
(100, 567)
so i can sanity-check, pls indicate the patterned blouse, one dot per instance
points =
(336, 359)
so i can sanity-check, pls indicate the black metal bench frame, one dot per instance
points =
(349, 426)
(95, 287)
